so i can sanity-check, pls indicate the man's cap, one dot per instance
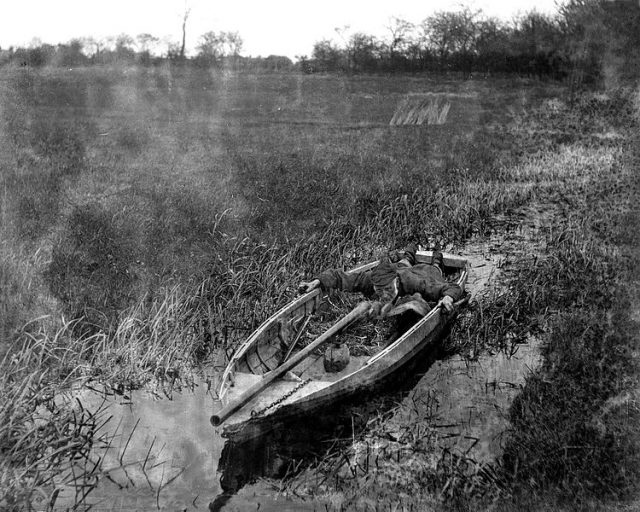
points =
(383, 274)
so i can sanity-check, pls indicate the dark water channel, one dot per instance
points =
(165, 455)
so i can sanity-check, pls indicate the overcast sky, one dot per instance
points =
(282, 27)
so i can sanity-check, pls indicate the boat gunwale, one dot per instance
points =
(374, 370)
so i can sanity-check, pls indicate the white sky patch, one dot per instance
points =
(282, 27)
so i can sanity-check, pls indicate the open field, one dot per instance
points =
(125, 181)
(151, 217)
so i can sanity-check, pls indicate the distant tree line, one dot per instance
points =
(580, 40)
(214, 50)
(585, 41)
(463, 41)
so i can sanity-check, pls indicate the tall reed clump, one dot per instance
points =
(164, 336)
(416, 111)
(45, 440)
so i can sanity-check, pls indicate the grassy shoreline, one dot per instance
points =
(163, 319)
(573, 441)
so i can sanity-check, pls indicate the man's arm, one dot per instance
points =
(406, 257)
(450, 293)
(348, 282)
(335, 279)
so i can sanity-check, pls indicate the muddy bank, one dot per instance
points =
(467, 402)
(164, 454)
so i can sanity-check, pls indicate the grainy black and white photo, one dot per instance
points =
(340, 256)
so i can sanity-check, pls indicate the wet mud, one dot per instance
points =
(467, 403)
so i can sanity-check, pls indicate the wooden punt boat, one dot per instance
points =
(271, 378)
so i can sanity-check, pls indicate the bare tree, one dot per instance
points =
(342, 33)
(399, 30)
(185, 17)
(437, 29)
(491, 45)
(124, 47)
(327, 55)
(365, 52)
(233, 43)
(452, 33)
(109, 43)
(214, 46)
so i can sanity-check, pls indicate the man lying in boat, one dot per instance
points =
(396, 282)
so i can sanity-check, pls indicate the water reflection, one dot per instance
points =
(280, 453)
(163, 454)
(289, 448)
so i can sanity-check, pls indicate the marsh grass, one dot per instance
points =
(145, 156)
(172, 222)
(574, 428)
(417, 111)
(45, 129)
(45, 443)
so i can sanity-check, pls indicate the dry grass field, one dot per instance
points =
(116, 182)
(153, 216)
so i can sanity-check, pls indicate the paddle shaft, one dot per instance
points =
(358, 312)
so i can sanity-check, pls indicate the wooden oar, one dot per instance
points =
(358, 312)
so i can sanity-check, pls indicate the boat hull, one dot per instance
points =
(422, 341)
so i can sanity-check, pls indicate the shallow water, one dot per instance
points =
(468, 402)
(166, 455)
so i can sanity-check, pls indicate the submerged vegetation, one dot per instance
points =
(151, 219)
